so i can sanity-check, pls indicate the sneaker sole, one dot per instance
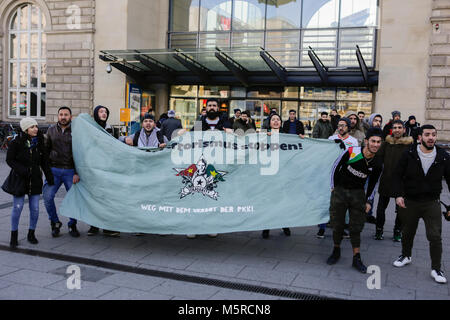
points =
(402, 265)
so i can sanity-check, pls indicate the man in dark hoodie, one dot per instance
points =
(412, 128)
(335, 117)
(101, 115)
(170, 125)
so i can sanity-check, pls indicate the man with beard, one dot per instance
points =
(417, 187)
(351, 171)
(375, 120)
(356, 128)
(148, 137)
(335, 117)
(58, 141)
(391, 151)
(212, 121)
(323, 128)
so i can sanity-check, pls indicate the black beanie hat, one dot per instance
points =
(347, 120)
(411, 117)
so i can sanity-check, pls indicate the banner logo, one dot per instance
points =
(200, 178)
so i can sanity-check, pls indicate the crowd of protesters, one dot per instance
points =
(400, 161)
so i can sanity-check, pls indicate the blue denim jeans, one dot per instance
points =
(60, 176)
(18, 203)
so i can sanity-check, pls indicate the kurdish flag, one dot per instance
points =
(211, 171)
(355, 154)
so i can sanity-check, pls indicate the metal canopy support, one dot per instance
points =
(238, 71)
(201, 71)
(362, 66)
(274, 65)
(320, 67)
(161, 69)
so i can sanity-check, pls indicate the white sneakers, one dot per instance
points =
(402, 261)
(438, 276)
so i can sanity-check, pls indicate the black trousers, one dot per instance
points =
(430, 212)
(383, 203)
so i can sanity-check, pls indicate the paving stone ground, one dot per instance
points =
(295, 263)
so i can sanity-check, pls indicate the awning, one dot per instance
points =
(247, 67)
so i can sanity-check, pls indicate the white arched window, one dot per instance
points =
(27, 63)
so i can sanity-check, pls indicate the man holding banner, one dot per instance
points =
(350, 174)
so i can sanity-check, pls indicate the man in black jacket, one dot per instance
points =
(170, 125)
(351, 171)
(293, 125)
(212, 121)
(58, 141)
(418, 186)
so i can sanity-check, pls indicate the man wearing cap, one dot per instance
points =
(350, 173)
(148, 137)
(387, 130)
(58, 142)
(170, 125)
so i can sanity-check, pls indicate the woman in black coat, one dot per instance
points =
(26, 156)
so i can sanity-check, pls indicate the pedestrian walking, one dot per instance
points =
(170, 125)
(26, 156)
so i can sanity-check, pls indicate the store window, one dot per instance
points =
(184, 15)
(215, 15)
(27, 63)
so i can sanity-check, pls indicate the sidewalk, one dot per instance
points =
(295, 263)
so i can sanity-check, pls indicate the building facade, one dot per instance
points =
(51, 49)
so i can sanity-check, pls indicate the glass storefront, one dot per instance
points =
(286, 28)
(308, 102)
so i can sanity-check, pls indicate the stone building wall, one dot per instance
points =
(438, 93)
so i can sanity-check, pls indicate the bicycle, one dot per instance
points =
(7, 135)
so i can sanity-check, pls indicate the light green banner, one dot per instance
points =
(203, 183)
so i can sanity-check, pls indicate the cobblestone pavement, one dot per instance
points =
(295, 264)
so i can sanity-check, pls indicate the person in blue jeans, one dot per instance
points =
(59, 147)
(27, 157)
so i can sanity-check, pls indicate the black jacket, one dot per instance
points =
(221, 125)
(299, 128)
(58, 144)
(412, 130)
(410, 181)
(169, 126)
(27, 163)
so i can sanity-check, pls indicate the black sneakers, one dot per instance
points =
(92, 231)
(334, 256)
(265, 234)
(397, 236)
(378, 234)
(358, 264)
(110, 233)
(73, 231)
(31, 237)
(56, 226)
(321, 234)
(287, 231)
